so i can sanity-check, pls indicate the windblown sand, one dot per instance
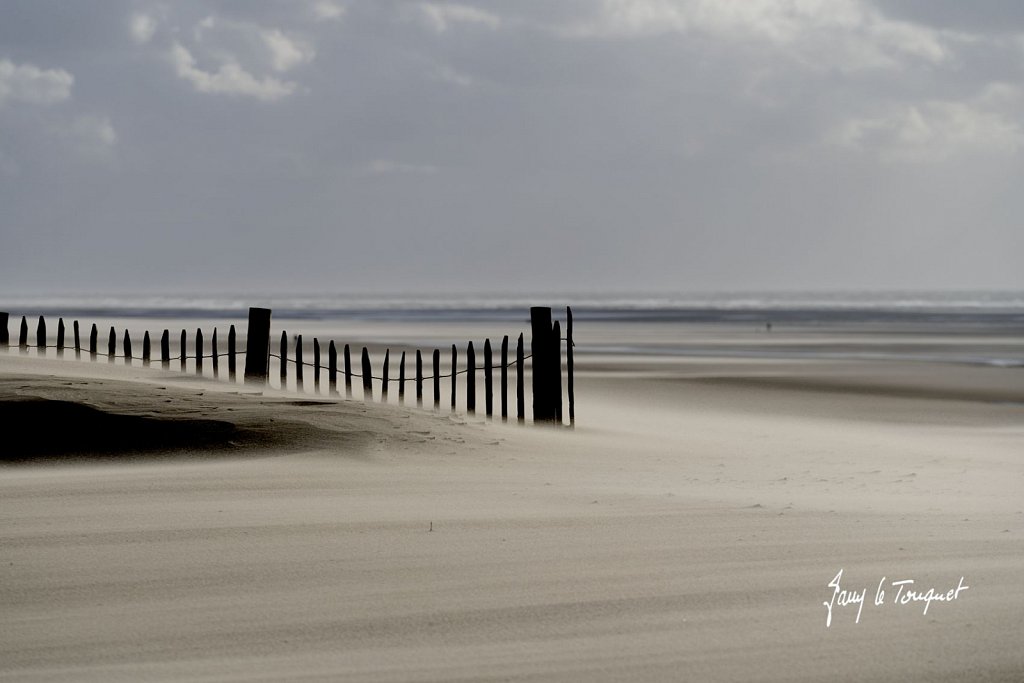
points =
(156, 527)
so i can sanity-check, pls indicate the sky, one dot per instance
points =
(515, 146)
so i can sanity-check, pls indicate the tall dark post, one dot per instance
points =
(385, 376)
(332, 369)
(78, 339)
(401, 380)
(146, 349)
(60, 336)
(183, 351)
(316, 365)
(214, 355)
(23, 335)
(165, 349)
(232, 367)
(556, 355)
(93, 339)
(111, 345)
(367, 376)
(127, 348)
(298, 362)
(284, 360)
(5, 337)
(541, 347)
(488, 382)
(520, 388)
(257, 346)
(470, 379)
(199, 352)
(455, 373)
(504, 379)
(437, 379)
(419, 378)
(348, 372)
(41, 337)
(569, 365)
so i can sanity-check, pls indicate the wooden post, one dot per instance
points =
(93, 339)
(214, 356)
(541, 347)
(111, 345)
(384, 378)
(401, 380)
(470, 379)
(367, 376)
(199, 352)
(127, 348)
(419, 378)
(316, 365)
(257, 346)
(556, 354)
(455, 374)
(41, 337)
(520, 389)
(183, 351)
(332, 369)
(284, 360)
(23, 335)
(437, 379)
(488, 382)
(504, 379)
(60, 336)
(232, 367)
(146, 349)
(569, 365)
(5, 337)
(348, 372)
(298, 362)
(78, 339)
(165, 349)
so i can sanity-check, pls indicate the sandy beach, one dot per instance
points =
(688, 528)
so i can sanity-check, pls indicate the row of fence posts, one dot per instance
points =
(546, 344)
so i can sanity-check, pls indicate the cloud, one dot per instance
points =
(443, 16)
(142, 27)
(325, 10)
(387, 167)
(29, 84)
(286, 53)
(229, 78)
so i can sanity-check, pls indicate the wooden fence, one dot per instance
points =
(545, 356)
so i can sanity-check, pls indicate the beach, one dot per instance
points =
(718, 479)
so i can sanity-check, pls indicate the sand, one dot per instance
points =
(686, 529)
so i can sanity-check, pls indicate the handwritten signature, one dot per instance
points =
(906, 592)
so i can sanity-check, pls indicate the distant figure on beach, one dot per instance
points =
(768, 326)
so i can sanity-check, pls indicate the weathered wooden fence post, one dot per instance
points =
(455, 373)
(183, 350)
(437, 379)
(541, 346)
(488, 381)
(385, 378)
(5, 337)
(111, 345)
(470, 379)
(60, 337)
(127, 348)
(231, 354)
(41, 337)
(367, 376)
(556, 356)
(419, 378)
(214, 356)
(520, 389)
(199, 352)
(23, 336)
(146, 349)
(257, 346)
(332, 369)
(401, 380)
(504, 379)
(569, 364)
(78, 340)
(298, 362)
(165, 349)
(283, 370)
(348, 372)
(93, 341)
(316, 365)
